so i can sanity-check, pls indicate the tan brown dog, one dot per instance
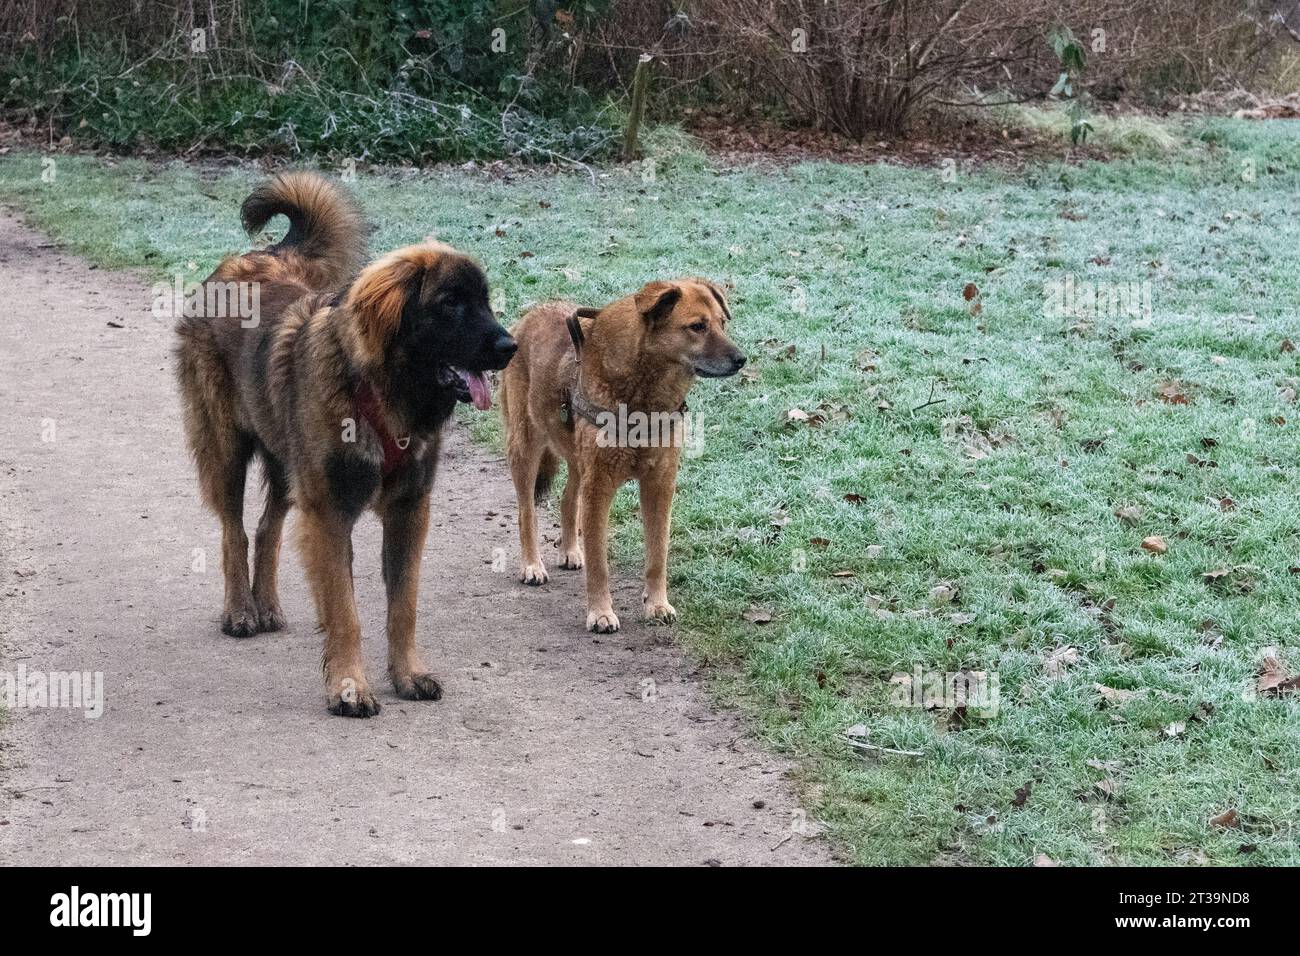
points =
(341, 385)
(579, 376)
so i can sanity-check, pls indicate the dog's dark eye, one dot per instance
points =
(698, 326)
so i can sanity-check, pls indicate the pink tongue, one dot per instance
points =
(480, 392)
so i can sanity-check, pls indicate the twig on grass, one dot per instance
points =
(931, 401)
(863, 745)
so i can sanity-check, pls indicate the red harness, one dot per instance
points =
(371, 408)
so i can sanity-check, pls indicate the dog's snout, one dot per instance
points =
(504, 347)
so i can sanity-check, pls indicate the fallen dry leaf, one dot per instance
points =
(1129, 514)
(1238, 577)
(1226, 820)
(1274, 677)
(834, 412)
(1115, 695)
(1172, 393)
(1108, 788)
(1155, 544)
(943, 594)
(970, 291)
(756, 615)
(976, 443)
(1057, 660)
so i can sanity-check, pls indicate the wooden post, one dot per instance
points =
(640, 88)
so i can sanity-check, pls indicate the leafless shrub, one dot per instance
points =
(866, 67)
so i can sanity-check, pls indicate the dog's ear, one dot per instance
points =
(719, 294)
(378, 296)
(656, 300)
(585, 316)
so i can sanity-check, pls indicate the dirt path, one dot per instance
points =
(217, 750)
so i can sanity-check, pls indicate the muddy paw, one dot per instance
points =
(660, 611)
(271, 618)
(417, 687)
(240, 622)
(602, 622)
(352, 700)
(533, 574)
(572, 560)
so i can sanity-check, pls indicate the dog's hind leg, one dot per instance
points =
(405, 525)
(525, 458)
(266, 549)
(327, 556)
(221, 452)
(570, 529)
(239, 616)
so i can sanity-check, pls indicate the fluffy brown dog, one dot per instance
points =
(605, 389)
(341, 384)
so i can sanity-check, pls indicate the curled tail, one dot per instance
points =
(326, 226)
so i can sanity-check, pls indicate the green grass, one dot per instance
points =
(1065, 414)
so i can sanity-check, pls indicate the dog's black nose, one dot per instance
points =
(737, 362)
(505, 347)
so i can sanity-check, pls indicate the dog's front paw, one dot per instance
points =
(602, 622)
(533, 574)
(270, 617)
(352, 699)
(417, 687)
(240, 621)
(572, 560)
(659, 611)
